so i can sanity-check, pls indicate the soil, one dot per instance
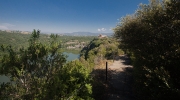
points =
(120, 80)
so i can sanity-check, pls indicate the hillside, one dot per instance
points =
(17, 39)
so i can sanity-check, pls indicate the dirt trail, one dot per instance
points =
(121, 79)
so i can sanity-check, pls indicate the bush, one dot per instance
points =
(151, 36)
(40, 72)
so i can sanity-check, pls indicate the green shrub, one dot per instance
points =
(151, 36)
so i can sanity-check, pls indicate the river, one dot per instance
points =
(70, 57)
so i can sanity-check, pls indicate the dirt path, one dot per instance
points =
(121, 79)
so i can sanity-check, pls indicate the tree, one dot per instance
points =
(151, 36)
(75, 82)
(36, 72)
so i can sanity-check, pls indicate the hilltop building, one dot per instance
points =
(102, 36)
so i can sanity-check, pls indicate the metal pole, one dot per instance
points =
(106, 69)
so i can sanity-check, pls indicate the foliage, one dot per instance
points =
(76, 76)
(93, 57)
(19, 40)
(39, 72)
(100, 49)
(151, 36)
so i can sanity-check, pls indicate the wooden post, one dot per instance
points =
(113, 57)
(106, 69)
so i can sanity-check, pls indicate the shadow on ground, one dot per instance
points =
(121, 85)
(126, 60)
(118, 85)
(100, 84)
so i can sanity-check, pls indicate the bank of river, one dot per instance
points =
(70, 57)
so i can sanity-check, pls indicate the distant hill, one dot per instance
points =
(67, 34)
(86, 34)
(18, 39)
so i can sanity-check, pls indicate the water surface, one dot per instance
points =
(70, 57)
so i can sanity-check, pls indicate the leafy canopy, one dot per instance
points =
(152, 37)
(40, 72)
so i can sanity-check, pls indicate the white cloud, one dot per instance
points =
(3, 27)
(101, 29)
(6, 26)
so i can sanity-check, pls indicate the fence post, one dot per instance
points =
(106, 69)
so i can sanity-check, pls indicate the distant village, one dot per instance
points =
(74, 44)
(17, 31)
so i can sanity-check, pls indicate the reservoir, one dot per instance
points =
(70, 57)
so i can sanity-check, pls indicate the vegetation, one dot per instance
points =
(151, 37)
(19, 40)
(40, 72)
(94, 56)
(100, 49)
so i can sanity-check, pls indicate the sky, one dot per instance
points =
(65, 16)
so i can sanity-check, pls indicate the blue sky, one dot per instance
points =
(64, 16)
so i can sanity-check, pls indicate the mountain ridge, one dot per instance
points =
(64, 33)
